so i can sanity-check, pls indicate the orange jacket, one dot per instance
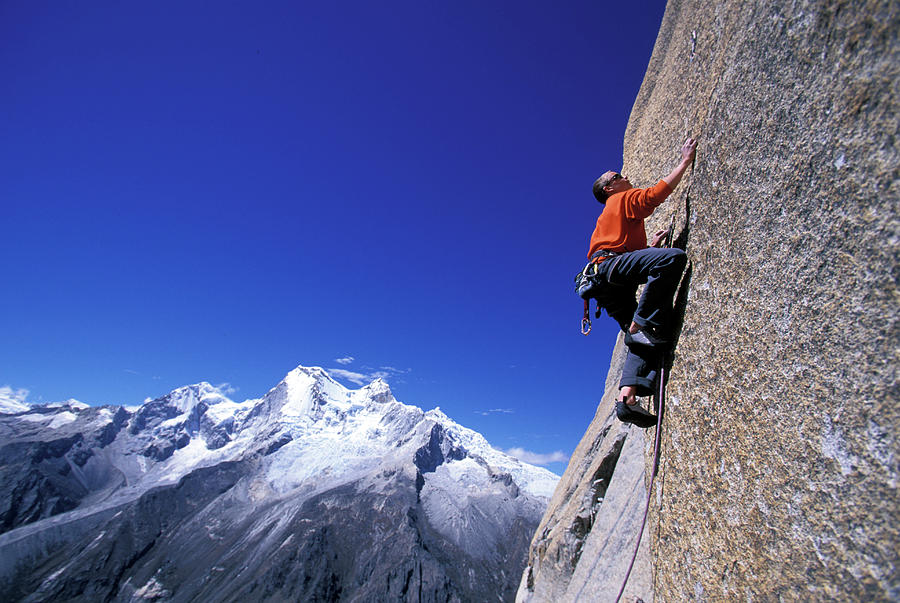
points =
(621, 225)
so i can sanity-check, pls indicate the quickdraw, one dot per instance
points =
(586, 320)
(585, 286)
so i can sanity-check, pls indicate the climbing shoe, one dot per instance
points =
(634, 414)
(646, 337)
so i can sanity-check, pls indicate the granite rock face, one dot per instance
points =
(780, 455)
(586, 539)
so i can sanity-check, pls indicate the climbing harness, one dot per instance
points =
(589, 281)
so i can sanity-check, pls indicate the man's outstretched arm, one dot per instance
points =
(688, 150)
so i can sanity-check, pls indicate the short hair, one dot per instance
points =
(599, 193)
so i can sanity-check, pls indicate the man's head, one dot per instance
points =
(608, 184)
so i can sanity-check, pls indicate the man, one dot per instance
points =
(619, 247)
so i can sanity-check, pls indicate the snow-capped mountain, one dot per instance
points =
(312, 492)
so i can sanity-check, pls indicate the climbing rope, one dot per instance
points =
(661, 394)
(660, 410)
(660, 413)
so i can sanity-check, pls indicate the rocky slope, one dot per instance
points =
(780, 455)
(584, 544)
(313, 492)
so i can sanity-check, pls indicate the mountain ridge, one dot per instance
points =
(438, 497)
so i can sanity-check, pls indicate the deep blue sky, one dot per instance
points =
(220, 191)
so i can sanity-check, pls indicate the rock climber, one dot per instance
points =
(625, 261)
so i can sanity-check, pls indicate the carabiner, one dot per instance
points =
(585, 326)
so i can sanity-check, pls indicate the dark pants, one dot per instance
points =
(661, 270)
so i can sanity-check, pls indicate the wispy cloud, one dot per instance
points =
(345, 360)
(495, 411)
(13, 399)
(537, 458)
(227, 388)
(351, 376)
(368, 374)
(383, 372)
(395, 371)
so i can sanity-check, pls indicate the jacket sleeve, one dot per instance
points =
(639, 203)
